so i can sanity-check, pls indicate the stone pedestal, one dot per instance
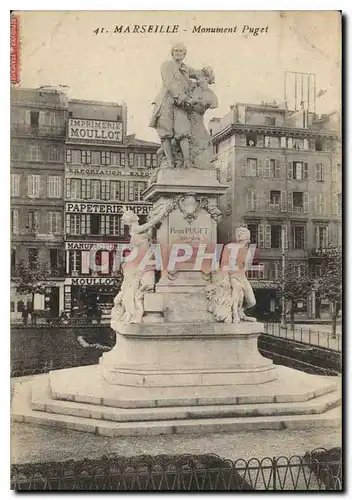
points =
(180, 371)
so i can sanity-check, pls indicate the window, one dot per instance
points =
(12, 306)
(321, 240)
(275, 270)
(298, 269)
(283, 142)
(75, 261)
(15, 184)
(275, 197)
(105, 157)
(34, 153)
(33, 257)
(54, 259)
(319, 172)
(122, 159)
(270, 121)
(95, 224)
(75, 223)
(33, 186)
(14, 221)
(86, 156)
(75, 188)
(115, 159)
(34, 119)
(251, 139)
(13, 261)
(54, 187)
(253, 229)
(148, 160)
(139, 160)
(339, 203)
(251, 200)
(33, 221)
(275, 236)
(298, 237)
(55, 222)
(154, 160)
(256, 274)
(117, 190)
(298, 170)
(297, 144)
(95, 158)
(95, 191)
(297, 198)
(55, 154)
(76, 156)
(139, 187)
(130, 159)
(115, 225)
(267, 141)
(319, 144)
(320, 204)
(252, 167)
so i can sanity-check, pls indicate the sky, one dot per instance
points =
(61, 48)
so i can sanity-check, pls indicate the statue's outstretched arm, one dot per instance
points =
(143, 228)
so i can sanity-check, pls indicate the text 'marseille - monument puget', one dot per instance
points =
(186, 356)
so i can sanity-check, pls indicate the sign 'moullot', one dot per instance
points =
(94, 131)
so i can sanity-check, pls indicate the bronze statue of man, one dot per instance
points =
(170, 116)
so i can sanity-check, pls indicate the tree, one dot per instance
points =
(329, 284)
(32, 277)
(294, 285)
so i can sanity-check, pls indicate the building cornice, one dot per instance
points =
(264, 129)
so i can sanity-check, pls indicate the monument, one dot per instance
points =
(186, 356)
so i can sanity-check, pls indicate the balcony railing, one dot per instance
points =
(274, 207)
(40, 131)
(297, 209)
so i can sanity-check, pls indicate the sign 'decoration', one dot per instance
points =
(94, 131)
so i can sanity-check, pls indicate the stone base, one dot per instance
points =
(80, 399)
(187, 354)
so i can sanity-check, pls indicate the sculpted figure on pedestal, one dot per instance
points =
(138, 278)
(229, 291)
(179, 110)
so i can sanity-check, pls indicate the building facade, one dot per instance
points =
(283, 170)
(106, 172)
(38, 119)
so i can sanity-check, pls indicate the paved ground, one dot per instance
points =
(32, 443)
(319, 335)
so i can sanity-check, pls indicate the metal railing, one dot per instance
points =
(317, 470)
(306, 335)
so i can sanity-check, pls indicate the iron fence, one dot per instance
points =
(305, 335)
(317, 470)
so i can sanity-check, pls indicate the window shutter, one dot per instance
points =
(283, 201)
(267, 236)
(249, 199)
(283, 142)
(306, 202)
(42, 186)
(260, 168)
(261, 235)
(67, 224)
(122, 191)
(88, 189)
(267, 200)
(334, 204)
(284, 235)
(254, 200)
(317, 172)
(305, 144)
(289, 170)
(316, 236)
(323, 204)
(260, 141)
(242, 140)
(267, 168)
(277, 169)
(107, 190)
(244, 172)
(305, 171)
(84, 189)
(289, 201)
(322, 172)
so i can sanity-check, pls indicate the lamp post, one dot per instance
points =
(283, 302)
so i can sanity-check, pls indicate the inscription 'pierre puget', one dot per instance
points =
(190, 230)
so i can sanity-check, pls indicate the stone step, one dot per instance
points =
(86, 385)
(22, 412)
(42, 401)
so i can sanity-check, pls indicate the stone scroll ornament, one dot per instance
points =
(189, 205)
(137, 280)
(229, 292)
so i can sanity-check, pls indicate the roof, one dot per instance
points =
(132, 140)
